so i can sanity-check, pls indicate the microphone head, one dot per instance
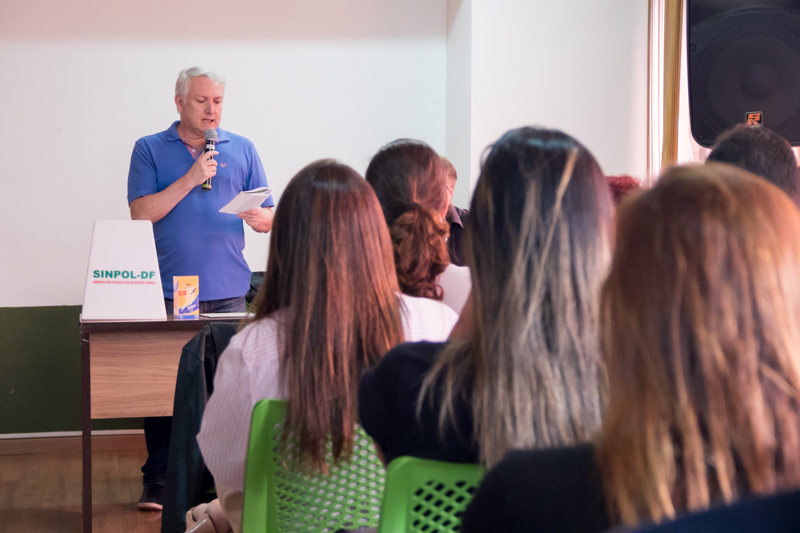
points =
(211, 134)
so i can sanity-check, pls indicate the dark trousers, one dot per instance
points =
(158, 428)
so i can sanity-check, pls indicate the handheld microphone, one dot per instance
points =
(211, 141)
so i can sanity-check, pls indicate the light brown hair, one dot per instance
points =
(450, 172)
(330, 282)
(700, 331)
(538, 246)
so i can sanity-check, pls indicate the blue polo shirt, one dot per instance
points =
(195, 239)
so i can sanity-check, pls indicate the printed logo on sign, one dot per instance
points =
(124, 274)
(755, 118)
(125, 277)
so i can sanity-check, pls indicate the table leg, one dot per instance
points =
(86, 428)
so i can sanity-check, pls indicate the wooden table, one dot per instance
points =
(128, 370)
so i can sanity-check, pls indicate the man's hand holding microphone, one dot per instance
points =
(204, 168)
(154, 207)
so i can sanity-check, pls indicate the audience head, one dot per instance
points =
(621, 185)
(538, 243)
(762, 152)
(451, 176)
(700, 331)
(330, 281)
(409, 181)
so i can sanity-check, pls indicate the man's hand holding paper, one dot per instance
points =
(258, 218)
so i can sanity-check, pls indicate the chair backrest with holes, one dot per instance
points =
(427, 496)
(279, 496)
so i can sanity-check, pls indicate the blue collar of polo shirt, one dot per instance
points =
(172, 133)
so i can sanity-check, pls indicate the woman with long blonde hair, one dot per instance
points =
(700, 332)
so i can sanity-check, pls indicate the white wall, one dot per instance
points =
(576, 65)
(459, 95)
(83, 80)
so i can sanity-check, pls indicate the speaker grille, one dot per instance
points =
(743, 59)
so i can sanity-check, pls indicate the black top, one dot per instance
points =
(540, 491)
(387, 409)
(456, 217)
(776, 513)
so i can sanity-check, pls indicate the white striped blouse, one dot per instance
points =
(248, 372)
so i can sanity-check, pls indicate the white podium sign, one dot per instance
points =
(123, 281)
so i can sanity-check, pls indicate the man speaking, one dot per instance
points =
(192, 237)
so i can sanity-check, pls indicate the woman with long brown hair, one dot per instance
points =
(411, 184)
(329, 308)
(701, 337)
(528, 374)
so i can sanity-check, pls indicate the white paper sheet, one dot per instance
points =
(246, 200)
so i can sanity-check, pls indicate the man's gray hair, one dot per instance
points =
(182, 85)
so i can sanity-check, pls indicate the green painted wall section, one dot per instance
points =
(40, 372)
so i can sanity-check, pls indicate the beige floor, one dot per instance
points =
(40, 487)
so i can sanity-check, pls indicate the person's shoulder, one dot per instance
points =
(405, 361)
(547, 469)
(265, 327)
(558, 489)
(414, 307)
(462, 213)
(425, 319)
(154, 138)
(578, 456)
(424, 352)
(239, 140)
(571, 471)
(258, 340)
(457, 272)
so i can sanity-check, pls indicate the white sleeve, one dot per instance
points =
(225, 429)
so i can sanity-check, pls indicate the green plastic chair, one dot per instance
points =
(427, 496)
(279, 497)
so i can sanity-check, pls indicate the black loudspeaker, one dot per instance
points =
(744, 66)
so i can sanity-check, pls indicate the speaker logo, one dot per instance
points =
(755, 118)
